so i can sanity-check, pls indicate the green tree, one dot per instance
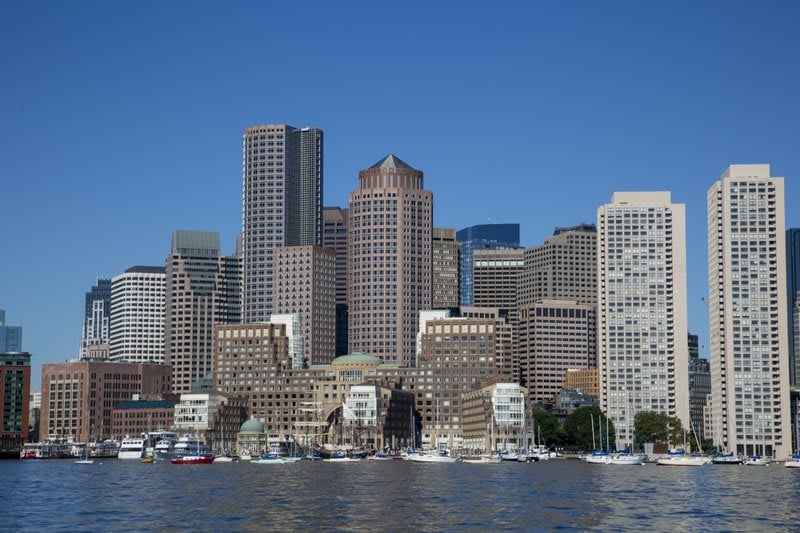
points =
(578, 429)
(547, 429)
(650, 426)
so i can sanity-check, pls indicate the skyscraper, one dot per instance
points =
(481, 237)
(391, 218)
(96, 319)
(15, 391)
(446, 267)
(281, 205)
(305, 283)
(641, 296)
(793, 301)
(202, 290)
(334, 235)
(563, 268)
(748, 312)
(137, 315)
(10, 336)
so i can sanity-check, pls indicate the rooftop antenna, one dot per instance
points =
(491, 220)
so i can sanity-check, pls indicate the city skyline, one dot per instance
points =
(577, 112)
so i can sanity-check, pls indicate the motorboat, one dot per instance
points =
(132, 447)
(679, 457)
(441, 456)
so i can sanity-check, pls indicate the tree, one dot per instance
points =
(578, 429)
(547, 429)
(650, 426)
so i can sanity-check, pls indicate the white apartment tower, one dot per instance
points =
(643, 356)
(281, 205)
(138, 298)
(748, 312)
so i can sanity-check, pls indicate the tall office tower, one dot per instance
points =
(334, 235)
(10, 336)
(446, 265)
(554, 336)
(96, 319)
(641, 294)
(793, 302)
(15, 394)
(699, 391)
(138, 299)
(693, 344)
(504, 349)
(305, 283)
(202, 290)
(748, 312)
(563, 268)
(281, 205)
(481, 237)
(391, 217)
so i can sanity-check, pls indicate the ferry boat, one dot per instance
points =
(103, 448)
(51, 449)
(187, 445)
(163, 443)
(132, 448)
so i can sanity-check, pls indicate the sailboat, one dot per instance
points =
(84, 458)
(627, 457)
(487, 458)
(758, 459)
(679, 457)
(442, 455)
(599, 456)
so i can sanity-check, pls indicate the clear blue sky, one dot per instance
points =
(122, 121)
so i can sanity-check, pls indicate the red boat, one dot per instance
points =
(193, 459)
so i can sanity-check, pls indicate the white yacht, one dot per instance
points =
(186, 445)
(441, 456)
(163, 443)
(626, 458)
(680, 458)
(132, 447)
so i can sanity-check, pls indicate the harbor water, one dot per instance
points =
(119, 495)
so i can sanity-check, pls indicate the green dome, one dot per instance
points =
(358, 357)
(252, 426)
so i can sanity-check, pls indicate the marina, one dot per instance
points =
(370, 494)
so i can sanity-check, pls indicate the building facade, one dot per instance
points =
(699, 391)
(334, 235)
(446, 260)
(748, 312)
(494, 418)
(10, 336)
(202, 290)
(793, 302)
(481, 237)
(281, 205)
(15, 393)
(96, 319)
(390, 271)
(555, 336)
(138, 305)
(78, 398)
(642, 328)
(586, 381)
(305, 283)
(563, 268)
(141, 416)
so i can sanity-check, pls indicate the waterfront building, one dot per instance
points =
(34, 415)
(10, 336)
(586, 381)
(563, 268)
(252, 439)
(78, 397)
(15, 387)
(424, 317)
(202, 290)
(479, 237)
(554, 336)
(446, 261)
(568, 400)
(390, 224)
(96, 319)
(378, 417)
(504, 347)
(214, 417)
(458, 355)
(138, 300)
(748, 312)
(642, 327)
(282, 182)
(142, 415)
(305, 283)
(334, 235)
(293, 330)
(493, 417)
(793, 302)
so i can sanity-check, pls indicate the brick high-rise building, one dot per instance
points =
(446, 267)
(305, 283)
(15, 391)
(748, 312)
(642, 328)
(390, 223)
(202, 290)
(281, 205)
